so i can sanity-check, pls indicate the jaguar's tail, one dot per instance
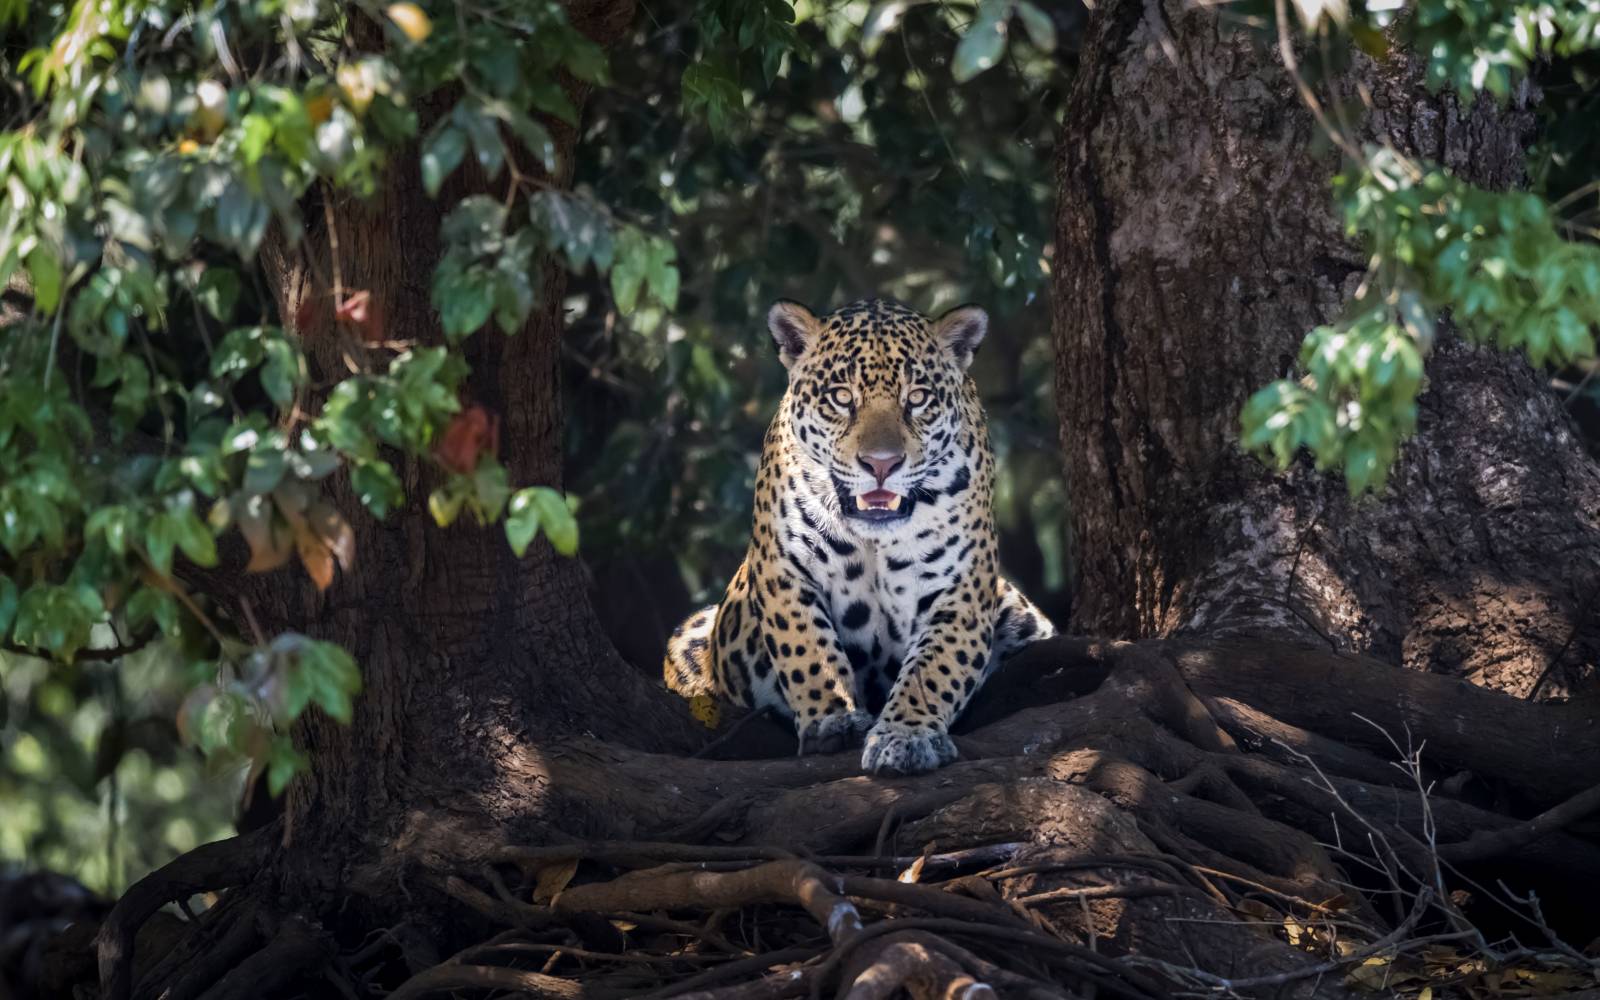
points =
(688, 665)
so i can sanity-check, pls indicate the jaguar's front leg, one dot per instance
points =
(943, 668)
(813, 673)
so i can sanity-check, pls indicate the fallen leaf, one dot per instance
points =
(705, 710)
(552, 879)
(914, 873)
(1550, 982)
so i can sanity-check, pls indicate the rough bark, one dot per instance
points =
(1198, 244)
(465, 649)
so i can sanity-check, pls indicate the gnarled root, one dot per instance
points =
(1215, 819)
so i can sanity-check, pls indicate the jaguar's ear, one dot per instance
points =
(793, 329)
(961, 330)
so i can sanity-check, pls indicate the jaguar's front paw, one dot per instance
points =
(834, 732)
(902, 748)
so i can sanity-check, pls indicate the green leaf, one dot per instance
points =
(628, 273)
(217, 292)
(441, 156)
(547, 96)
(280, 376)
(486, 141)
(555, 517)
(194, 538)
(255, 135)
(465, 304)
(45, 270)
(283, 763)
(8, 605)
(109, 524)
(376, 486)
(522, 521)
(264, 470)
(444, 504)
(712, 90)
(1041, 30)
(324, 676)
(490, 488)
(984, 43)
(536, 137)
(161, 537)
(241, 219)
(575, 226)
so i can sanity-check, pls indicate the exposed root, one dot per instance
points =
(1493, 843)
(213, 866)
(442, 978)
(295, 950)
(903, 962)
(797, 882)
(1203, 823)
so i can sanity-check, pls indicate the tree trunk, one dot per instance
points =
(1197, 246)
(468, 654)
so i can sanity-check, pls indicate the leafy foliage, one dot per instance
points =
(153, 400)
(1505, 267)
(94, 783)
(1484, 45)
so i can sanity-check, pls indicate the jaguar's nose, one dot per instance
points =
(881, 463)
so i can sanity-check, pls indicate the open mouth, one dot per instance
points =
(874, 505)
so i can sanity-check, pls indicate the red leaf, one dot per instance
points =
(471, 433)
(310, 312)
(360, 314)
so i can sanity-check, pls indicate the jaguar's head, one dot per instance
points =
(878, 397)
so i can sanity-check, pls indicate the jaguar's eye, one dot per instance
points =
(840, 396)
(918, 397)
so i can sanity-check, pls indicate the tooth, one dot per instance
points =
(894, 502)
(861, 503)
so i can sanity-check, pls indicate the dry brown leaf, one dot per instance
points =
(914, 873)
(335, 532)
(1551, 982)
(552, 879)
(1379, 973)
(315, 556)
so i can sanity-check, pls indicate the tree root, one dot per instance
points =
(1211, 819)
(213, 866)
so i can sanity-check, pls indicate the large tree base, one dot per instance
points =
(1207, 819)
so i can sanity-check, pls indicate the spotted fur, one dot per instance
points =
(855, 620)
